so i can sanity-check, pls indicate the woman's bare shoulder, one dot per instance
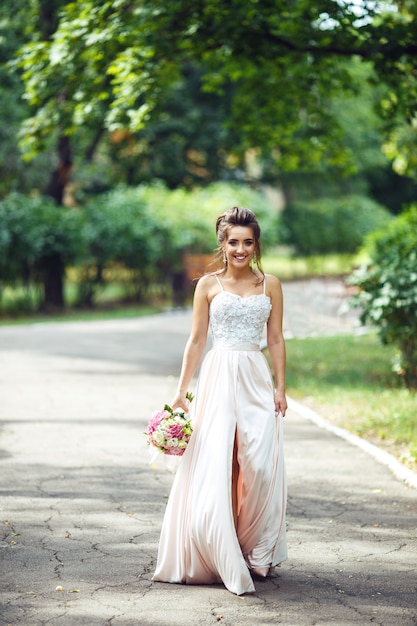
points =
(272, 281)
(208, 279)
(207, 282)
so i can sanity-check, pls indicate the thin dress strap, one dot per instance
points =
(219, 281)
(264, 283)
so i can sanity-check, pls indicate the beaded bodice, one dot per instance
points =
(234, 319)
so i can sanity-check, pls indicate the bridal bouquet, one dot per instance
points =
(169, 431)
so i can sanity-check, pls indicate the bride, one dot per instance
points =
(225, 518)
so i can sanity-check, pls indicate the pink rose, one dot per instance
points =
(175, 431)
(174, 451)
(156, 419)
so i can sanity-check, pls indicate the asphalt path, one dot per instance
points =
(81, 506)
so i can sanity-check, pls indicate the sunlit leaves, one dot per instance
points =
(109, 63)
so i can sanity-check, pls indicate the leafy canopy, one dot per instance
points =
(108, 63)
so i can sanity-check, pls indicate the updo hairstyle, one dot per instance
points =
(237, 216)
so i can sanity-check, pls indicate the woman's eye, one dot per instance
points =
(233, 242)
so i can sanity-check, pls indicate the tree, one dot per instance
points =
(109, 63)
(33, 231)
(185, 143)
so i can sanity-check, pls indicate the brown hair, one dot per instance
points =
(237, 216)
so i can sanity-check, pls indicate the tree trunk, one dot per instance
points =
(53, 282)
(54, 268)
(60, 176)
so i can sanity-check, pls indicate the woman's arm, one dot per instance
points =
(276, 343)
(195, 345)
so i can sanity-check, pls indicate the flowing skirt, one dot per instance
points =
(210, 535)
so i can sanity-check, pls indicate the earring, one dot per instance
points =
(255, 258)
(224, 258)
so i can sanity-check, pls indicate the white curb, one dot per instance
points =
(398, 469)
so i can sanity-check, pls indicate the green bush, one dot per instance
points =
(33, 229)
(190, 216)
(388, 290)
(137, 236)
(149, 229)
(121, 230)
(332, 224)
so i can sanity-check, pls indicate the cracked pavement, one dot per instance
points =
(81, 507)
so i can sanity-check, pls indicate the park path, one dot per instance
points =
(81, 508)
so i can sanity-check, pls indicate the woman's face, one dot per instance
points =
(239, 246)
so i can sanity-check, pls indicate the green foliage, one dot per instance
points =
(190, 216)
(33, 229)
(120, 229)
(139, 233)
(108, 65)
(184, 143)
(388, 290)
(400, 148)
(332, 224)
(182, 93)
(19, 301)
(15, 16)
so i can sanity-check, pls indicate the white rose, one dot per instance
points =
(158, 438)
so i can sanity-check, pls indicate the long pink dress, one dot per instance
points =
(200, 542)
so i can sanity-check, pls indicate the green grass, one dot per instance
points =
(348, 380)
(20, 306)
(289, 267)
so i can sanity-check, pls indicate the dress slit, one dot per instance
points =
(236, 485)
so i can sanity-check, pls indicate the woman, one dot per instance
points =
(225, 517)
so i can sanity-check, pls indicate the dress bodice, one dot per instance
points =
(235, 320)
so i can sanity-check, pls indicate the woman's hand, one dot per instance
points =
(280, 400)
(180, 401)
